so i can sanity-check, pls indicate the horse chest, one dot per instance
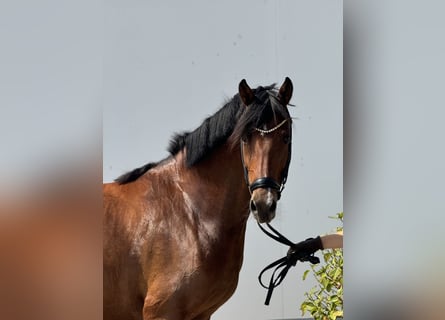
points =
(208, 287)
(201, 276)
(215, 276)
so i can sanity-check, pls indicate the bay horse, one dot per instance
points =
(174, 230)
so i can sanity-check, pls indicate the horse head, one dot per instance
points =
(265, 145)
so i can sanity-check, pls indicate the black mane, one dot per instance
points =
(232, 121)
(135, 173)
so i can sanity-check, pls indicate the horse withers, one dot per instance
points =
(174, 230)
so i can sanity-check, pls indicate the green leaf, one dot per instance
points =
(327, 256)
(337, 273)
(329, 287)
(337, 313)
(305, 274)
(308, 306)
(324, 282)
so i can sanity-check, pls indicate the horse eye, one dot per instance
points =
(286, 139)
(246, 137)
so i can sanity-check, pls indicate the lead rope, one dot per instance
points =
(284, 264)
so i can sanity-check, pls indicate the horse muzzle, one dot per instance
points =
(265, 193)
(263, 205)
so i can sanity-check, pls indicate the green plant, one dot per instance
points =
(325, 300)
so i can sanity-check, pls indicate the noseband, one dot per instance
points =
(267, 182)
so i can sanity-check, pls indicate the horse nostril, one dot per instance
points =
(252, 206)
(273, 206)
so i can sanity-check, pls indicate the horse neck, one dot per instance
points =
(216, 187)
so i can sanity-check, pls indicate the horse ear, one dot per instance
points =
(285, 93)
(246, 94)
